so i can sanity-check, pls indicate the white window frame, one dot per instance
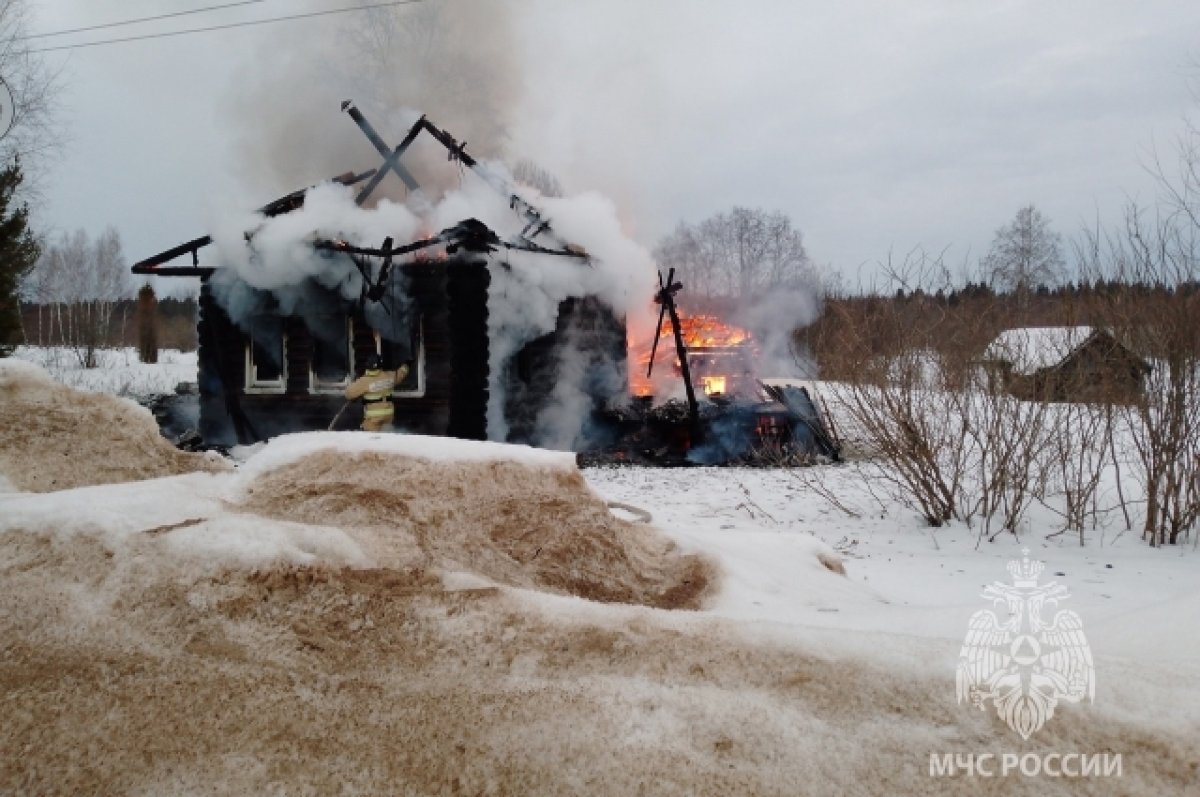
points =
(418, 361)
(254, 385)
(318, 386)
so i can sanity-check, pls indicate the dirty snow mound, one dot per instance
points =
(516, 522)
(57, 438)
(125, 672)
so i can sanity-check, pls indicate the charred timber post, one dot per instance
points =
(658, 327)
(681, 349)
(666, 296)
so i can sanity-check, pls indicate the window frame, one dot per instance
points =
(418, 361)
(252, 385)
(318, 386)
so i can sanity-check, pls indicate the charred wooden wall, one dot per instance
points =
(588, 333)
(451, 301)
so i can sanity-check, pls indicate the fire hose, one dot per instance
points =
(641, 514)
(339, 414)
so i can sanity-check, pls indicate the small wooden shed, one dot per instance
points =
(1065, 364)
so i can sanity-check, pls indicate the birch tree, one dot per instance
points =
(1025, 253)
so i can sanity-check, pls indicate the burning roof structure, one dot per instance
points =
(509, 330)
(727, 414)
(514, 320)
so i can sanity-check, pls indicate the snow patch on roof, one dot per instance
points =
(1031, 349)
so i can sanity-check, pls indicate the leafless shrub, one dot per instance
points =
(1078, 455)
(1154, 264)
(956, 446)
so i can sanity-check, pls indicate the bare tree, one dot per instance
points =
(81, 281)
(34, 88)
(1025, 253)
(693, 257)
(738, 255)
(453, 61)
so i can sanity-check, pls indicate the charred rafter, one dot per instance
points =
(535, 223)
(391, 158)
(470, 235)
(285, 204)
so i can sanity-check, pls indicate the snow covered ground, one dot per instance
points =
(903, 577)
(792, 679)
(119, 371)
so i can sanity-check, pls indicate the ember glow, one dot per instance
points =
(720, 357)
(707, 331)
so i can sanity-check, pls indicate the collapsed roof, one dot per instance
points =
(470, 235)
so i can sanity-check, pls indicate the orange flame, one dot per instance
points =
(702, 335)
(707, 331)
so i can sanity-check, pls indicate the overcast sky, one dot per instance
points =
(876, 126)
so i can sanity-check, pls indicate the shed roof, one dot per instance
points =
(1030, 349)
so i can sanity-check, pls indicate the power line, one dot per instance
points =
(142, 19)
(226, 27)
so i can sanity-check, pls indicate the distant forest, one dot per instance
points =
(962, 322)
(176, 324)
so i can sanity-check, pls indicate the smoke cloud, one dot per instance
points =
(772, 320)
(454, 60)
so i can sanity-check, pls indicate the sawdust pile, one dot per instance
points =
(121, 674)
(506, 520)
(58, 438)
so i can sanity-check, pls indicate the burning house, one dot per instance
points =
(511, 319)
(508, 330)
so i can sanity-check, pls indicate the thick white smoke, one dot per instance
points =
(276, 255)
(527, 288)
(772, 320)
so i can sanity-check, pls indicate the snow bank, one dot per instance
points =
(118, 371)
(122, 675)
(327, 620)
(516, 515)
(57, 438)
(287, 449)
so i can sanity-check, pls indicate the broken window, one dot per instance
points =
(406, 350)
(266, 362)
(332, 360)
